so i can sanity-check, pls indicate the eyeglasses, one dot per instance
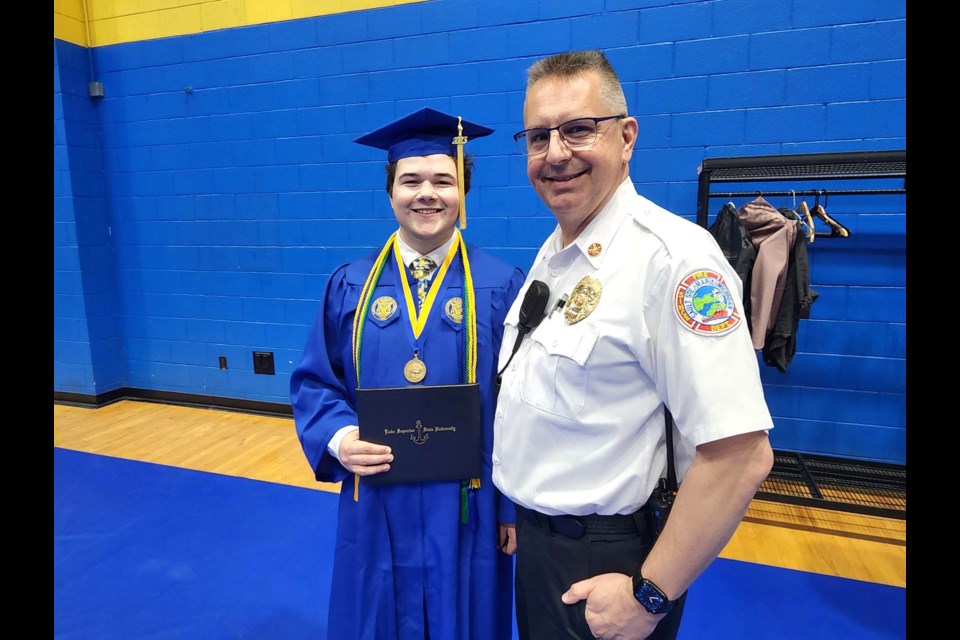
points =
(581, 132)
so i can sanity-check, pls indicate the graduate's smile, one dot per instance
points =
(426, 200)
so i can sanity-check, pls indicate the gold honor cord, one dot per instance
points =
(366, 294)
(470, 311)
(470, 362)
(461, 140)
(360, 318)
(419, 321)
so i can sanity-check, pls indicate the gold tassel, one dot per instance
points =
(475, 483)
(461, 140)
(356, 488)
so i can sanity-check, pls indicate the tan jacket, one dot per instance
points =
(773, 236)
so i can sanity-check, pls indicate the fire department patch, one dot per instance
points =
(705, 305)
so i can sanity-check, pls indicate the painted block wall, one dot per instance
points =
(87, 347)
(232, 188)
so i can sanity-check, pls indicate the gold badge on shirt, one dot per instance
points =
(583, 300)
(454, 309)
(383, 307)
(594, 249)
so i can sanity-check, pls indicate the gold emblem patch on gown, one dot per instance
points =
(383, 307)
(454, 309)
(583, 300)
(594, 249)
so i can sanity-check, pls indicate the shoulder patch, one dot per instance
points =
(705, 304)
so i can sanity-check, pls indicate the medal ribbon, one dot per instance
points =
(419, 321)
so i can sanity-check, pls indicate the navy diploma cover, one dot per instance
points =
(435, 432)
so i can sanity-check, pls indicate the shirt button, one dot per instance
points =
(499, 415)
(555, 273)
(556, 342)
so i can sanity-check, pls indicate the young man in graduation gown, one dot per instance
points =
(413, 560)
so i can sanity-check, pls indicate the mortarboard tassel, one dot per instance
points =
(461, 140)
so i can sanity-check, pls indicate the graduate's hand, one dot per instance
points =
(507, 540)
(364, 458)
(611, 610)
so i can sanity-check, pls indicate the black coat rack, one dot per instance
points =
(807, 167)
(869, 488)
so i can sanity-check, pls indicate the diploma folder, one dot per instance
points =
(435, 432)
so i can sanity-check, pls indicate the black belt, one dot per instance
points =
(576, 526)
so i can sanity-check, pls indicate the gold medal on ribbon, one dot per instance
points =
(583, 300)
(415, 370)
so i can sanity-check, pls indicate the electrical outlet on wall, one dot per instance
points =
(263, 362)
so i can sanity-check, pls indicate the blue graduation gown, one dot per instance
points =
(403, 561)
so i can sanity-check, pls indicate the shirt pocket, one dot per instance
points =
(556, 372)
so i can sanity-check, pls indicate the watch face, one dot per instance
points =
(651, 598)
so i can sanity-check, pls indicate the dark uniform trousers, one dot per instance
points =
(555, 552)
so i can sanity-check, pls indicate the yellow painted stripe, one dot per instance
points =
(117, 21)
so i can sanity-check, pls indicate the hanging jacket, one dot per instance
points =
(737, 247)
(772, 235)
(781, 344)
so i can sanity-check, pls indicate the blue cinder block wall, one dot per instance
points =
(201, 204)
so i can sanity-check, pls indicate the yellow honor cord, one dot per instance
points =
(471, 330)
(471, 314)
(360, 314)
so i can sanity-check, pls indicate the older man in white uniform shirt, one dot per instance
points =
(652, 319)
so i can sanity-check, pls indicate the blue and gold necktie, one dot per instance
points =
(422, 268)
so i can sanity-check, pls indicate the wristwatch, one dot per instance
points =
(650, 596)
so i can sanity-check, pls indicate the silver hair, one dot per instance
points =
(574, 63)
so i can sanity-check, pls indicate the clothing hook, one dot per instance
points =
(794, 194)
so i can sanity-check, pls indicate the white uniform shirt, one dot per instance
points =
(579, 427)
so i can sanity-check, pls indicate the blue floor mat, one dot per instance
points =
(735, 600)
(149, 551)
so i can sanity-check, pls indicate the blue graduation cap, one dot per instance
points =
(427, 132)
